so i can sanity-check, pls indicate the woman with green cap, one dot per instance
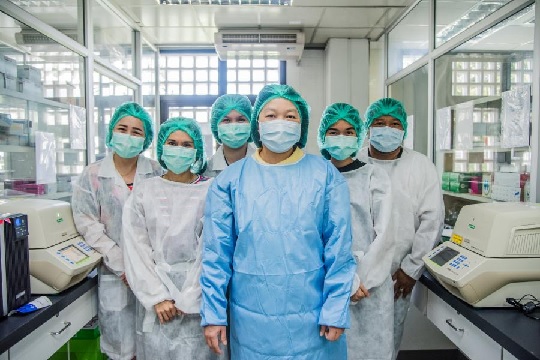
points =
(418, 208)
(277, 230)
(229, 121)
(162, 246)
(97, 203)
(340, 136)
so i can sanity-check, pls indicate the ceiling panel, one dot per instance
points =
(351, 3)
(263, 16)
(322, 35)
(182, 35)
(163, 15)
(351, 17)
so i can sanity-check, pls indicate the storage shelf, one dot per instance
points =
(54, 196)
(17, 148)
(478, 198)
(35, 99)
(492, 148)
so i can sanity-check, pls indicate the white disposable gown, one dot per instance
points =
(370, 336)
(417, 218)
(97, 203)
(162, 252)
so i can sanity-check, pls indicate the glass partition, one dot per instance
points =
(483, 113)
(113, 39)
(42, 115)
(108, 95)
(63, 15)
(409, 40)
(416, 105)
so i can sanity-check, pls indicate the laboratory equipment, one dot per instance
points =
(15, 275)
(59, 256)
(494, 253)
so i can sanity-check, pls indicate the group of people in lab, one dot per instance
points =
(263, 251)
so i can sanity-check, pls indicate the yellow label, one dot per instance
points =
(456, 239)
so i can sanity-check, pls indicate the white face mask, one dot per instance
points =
(279, 135)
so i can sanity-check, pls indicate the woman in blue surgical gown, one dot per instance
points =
(340, 136)
(277, 229)
(162, 246)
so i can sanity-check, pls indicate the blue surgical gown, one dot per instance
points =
(281, 235)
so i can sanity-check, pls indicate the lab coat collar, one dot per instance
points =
(218, 162)
(108, 170)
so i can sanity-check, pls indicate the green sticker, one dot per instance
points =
(472, 227)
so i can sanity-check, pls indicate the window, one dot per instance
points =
(248, 76)
(190, 82)
(521, 72)
(476, 77)
(189, 74)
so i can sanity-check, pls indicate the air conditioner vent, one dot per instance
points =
(275, 44)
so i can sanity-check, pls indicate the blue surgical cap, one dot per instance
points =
(331, 115)
(390, 107)
(274, 91)
(137, 111)
(190, 127)
(224, 105)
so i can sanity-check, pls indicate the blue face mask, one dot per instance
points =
(234, 135)
(178, 158)
(126, 146)
(279, 135)
(341, 147)
(385, 139)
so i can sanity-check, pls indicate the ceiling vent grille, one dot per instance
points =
(278, 44)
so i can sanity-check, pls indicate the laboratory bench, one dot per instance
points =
(487, 333)
(40, 334)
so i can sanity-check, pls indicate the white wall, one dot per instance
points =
(376, 71)
(308, 79)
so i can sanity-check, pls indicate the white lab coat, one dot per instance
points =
(371, 333)
(97, 203)
(417, 217)
(162, 252)
(216, 164)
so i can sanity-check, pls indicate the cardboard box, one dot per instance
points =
(505, 193)
(10, 67)
(29, 73)
(509, 179)
(10, 83)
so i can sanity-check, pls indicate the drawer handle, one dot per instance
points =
(449, 322)
(66, 325)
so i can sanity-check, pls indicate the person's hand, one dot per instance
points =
(166, 311)
(213, 334)
(331, 333)
(124, 279)
(361, 293)
(403, 284)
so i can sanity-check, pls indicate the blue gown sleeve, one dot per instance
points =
(338, 259)
(219, 238)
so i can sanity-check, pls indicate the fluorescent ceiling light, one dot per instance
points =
(476, 13)
(226, 2)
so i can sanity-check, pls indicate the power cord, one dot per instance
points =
(527, 305)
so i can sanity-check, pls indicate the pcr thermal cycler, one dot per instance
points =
(493, 254)
(59, 256)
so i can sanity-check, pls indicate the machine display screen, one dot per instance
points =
(72, 253)
(444, 256)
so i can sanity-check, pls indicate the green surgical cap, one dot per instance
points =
(190, 127)
(274, 91)
(331, 115)
(387, 106)
(137, 111)
(224, 105)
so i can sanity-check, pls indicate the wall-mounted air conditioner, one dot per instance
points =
(267, 44)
